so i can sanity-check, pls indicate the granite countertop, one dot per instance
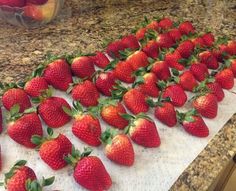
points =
(92, 21)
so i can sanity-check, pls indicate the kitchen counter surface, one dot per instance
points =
(84, 25)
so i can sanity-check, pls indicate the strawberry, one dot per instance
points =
(114, 48)
(233, 66)
(206, 105)
(164, 40)
(15, 96)
(23, 126)
(83, 66)
(216, 89)
(208, 58)
(51, 111)
(199, 70)
(231, 47)
(86, 93)
(105, 82)
(111, 113)
(37, 2)
(147, 84)
(176, 93)
(225, 78)
(135, 101)
(153, 25)
(193, 124)
(13, 3)
(187, 81)
(131, 42)
(119, 148)
(173, 60)
(85, 125)
(52, 150)
(100, 60)
(140, 34)
(89, 171)
(165, 23)
(208, 39)
(186, 28)
(143, 131)
(1, 122)
(175, 34)
(16, 179)
(36, 86)
(198, 42)
(123, 71)
(161, 70)
(151, 49)
(165, 112)
(57, 73)
(185, 48)
(137, 60)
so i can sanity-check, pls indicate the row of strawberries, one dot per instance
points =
(147, 69)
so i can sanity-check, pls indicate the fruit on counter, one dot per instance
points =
(100, 59)
(199, 70)
(53, 149)
(118, 147)
(193, 123)
(225, 78)
(114, 48)
(151, 49)
(186, 28)
(185, 48)
(160, 69)
(23, 178)
(131, 42)
(124, 72)
(13, 95)
(37, 2)
(44, 12)
(89, 171)
(13, 3)
(172, 59)
(86, 125)
(209, 59)
(142, 130)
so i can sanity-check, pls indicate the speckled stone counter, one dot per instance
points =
(90, 22)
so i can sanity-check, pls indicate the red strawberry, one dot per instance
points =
(83, 66)
(151, 49)
(175, 34)
(185, 48)
(216, 89)
(165, 23)
(100, 60)
(114, 48)
(143, 131)
(16, 179)
(37, 2)
(135, 101)
(15, 96)
(193, 124)
(123, 71)
(36, 86)
(86, 93)
(13, 3)
(140, 34)
(105, 82)
(23, 126)
(208, 58)
(172, 60)
(111, 113)
(208, 39)
(199, 70)
(225, 78)
(161, 70)
(187, 81)
(58, 74)
(164, 40)
(186, 28)
(233, 66)
(231, 47)
(89, 171)
(147, 84)
(130, 41)
(206, 105)
(198, 42)
(176, 93)
(153, 25)
(138, 60)
(1, 122)
(53, 150)
(51, 111)
(221, 52)
(118, 148)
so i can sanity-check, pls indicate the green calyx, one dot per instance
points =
(126, 53)
(44, 95)
(7, 86)
(108, 135)
(202, 88)
(119, 90)
(35, 185)
(186, 116)
(111, 65)
(76, 156)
